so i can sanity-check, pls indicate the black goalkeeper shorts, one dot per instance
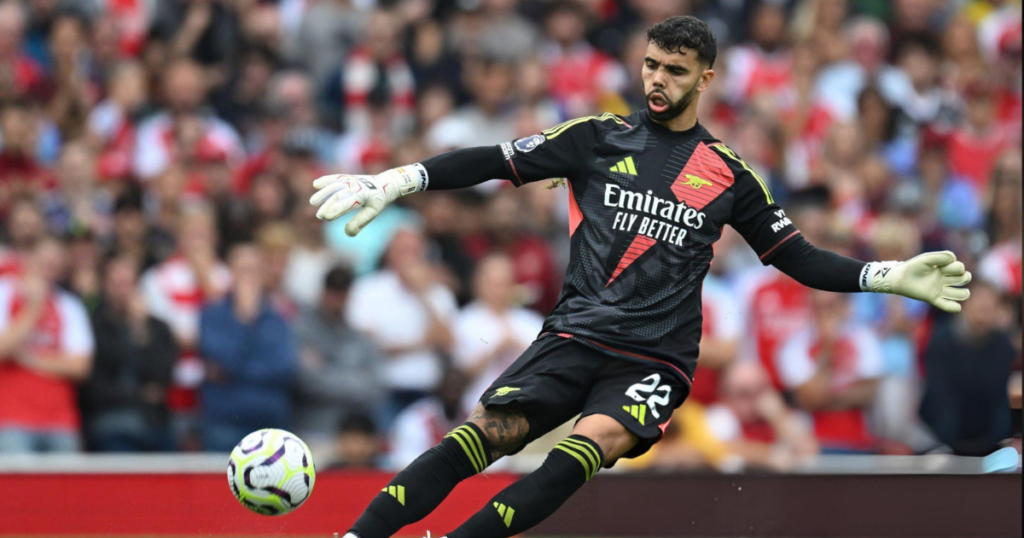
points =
(557, 378)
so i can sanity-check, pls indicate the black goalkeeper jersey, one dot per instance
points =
(646, 205)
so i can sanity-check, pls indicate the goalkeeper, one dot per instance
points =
(649, 194)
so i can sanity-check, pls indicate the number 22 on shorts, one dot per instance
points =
(650, 386)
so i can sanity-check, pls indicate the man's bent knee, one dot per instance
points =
(505, 428)
(613, 438)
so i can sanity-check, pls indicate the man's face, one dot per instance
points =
(672, 81)
(48, 260)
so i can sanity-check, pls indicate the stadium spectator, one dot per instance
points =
(206, 31)
(490, 333)
(720, 337)
(124, 405)
(275, 241)
(967, 370)
(581, 78)
(414, 349)
(83, 274)
(79, 204)
(1002, 264)
(487, 119)
(425, 423)
(976, 143)
(309, 260)
(326, 32)
(21, 172)
(755, 423)
(251, 358)
(69, 87)
(134, 235)
(761, 68)
(377, 67)
(339, 374)
(46, 345)
(25, 226)
(185, 127)
(357, 444)
(112, 123)
(894, 320)
(506, 231)
(176, 291)
(833, 369)
(839, 84)
(776, 306)
(22, 74)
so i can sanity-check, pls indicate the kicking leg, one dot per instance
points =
(595, 440)
(467, 450)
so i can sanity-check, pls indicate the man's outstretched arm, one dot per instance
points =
(556, 152)
(933, 277)
(338, 194)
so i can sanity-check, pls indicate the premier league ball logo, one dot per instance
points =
(529, 143)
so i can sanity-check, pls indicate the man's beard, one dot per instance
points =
(674, 109)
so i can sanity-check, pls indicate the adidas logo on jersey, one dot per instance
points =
(625, 166)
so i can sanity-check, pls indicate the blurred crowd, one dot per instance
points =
(165, 286)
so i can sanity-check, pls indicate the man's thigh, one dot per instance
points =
(543, 389)
(641, 398)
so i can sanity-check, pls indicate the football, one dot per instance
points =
(271, 472)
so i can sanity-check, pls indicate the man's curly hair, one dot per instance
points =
(685, 32)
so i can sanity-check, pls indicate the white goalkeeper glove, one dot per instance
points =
(931, 277)
(340, 193)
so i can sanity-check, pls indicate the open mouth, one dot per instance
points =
(657, 102)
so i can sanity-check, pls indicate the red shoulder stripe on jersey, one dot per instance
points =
(779, 244)
(515, 172)
(628, 354)
(704, 178)
(575, 213)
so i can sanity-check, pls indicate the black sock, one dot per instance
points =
(421, 487)
(536, 496)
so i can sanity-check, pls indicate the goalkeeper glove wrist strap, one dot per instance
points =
(410, 178)
(872, 277)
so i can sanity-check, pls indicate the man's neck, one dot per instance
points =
(682, 122)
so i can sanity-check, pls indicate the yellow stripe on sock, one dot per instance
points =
(643, 413)
(460, 436)
(474, 444)
(465, 447)
(508, 516)
(571, 452)
(472, 448)
(592, 453)
(484, 457)
(401, 495)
